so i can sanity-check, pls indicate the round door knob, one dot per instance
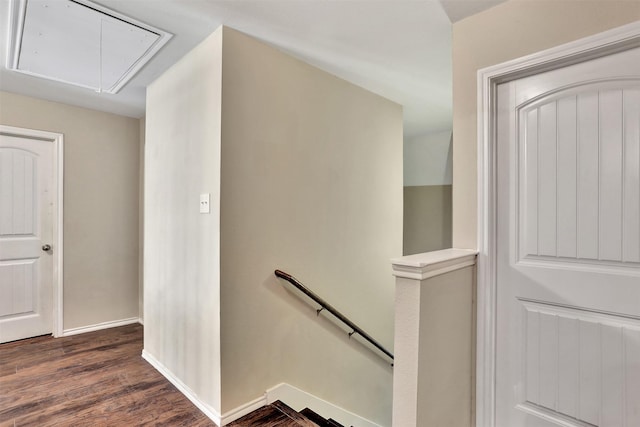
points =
(46, 248)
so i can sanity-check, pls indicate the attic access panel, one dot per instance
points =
(79, 43)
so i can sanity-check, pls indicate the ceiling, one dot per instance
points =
(400, 49)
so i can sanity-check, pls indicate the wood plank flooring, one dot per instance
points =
(93, 379)
(99, 379)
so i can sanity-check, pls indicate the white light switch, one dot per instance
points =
(204, 203)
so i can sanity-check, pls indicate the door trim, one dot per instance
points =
(606, 43)
(57, 139)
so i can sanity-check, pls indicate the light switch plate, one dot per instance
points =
(204, 203)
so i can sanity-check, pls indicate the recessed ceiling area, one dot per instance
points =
(79, 43)
(399, 49)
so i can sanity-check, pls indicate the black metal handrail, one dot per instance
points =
(326, 306)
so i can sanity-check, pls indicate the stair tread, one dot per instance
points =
(263, 417)
(316, 418)
(279, 414)
(319, 419)
(293, 414)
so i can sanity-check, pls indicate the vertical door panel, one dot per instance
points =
(610, 154)
(631, 167)
(547, 169)
(567, 177)
(588, 171)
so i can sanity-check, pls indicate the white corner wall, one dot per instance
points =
(312, 185)
(305, 174)
(182, 246)
(101, 163)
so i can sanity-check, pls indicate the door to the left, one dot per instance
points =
(26, 232)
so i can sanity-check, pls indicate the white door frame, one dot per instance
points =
(602, 44)
(57, 140)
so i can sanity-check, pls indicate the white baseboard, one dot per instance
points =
(99, 326)
(243, 410)
(288, 394)
(298, 400)
(189, 394)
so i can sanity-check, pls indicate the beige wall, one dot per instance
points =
(427, 218)
(100, 205)
(181, 246)
(311, 184)
(508, 31)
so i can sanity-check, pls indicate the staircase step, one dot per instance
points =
(279, 414)
(320, 420)
(293, 414)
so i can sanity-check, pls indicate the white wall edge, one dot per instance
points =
(431, 264)
(597, 45)
(100, 326)
(211, 413)
(298, 400)
(58, 290)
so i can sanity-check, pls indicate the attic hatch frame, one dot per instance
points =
(17, 16)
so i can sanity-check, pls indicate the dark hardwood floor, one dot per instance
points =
(100, 379)
(93, 379)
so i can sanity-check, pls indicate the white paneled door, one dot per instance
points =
(26, 232)
(568, 260)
